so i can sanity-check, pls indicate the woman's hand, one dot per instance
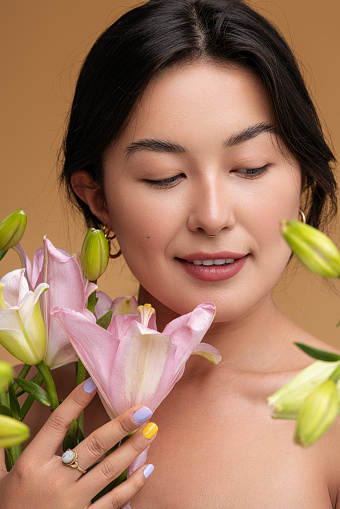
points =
(41, 480)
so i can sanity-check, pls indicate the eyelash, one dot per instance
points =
(253, 172)
(250, 173)
(169, 182)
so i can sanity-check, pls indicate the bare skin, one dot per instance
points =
(220, 188)
(217, 445)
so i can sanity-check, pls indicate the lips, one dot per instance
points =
(213, 266)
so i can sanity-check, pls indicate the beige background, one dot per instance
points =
(42, 45)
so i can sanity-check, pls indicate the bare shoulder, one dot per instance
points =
(327, 450)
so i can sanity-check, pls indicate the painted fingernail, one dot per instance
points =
(89, 386)
(148, 470)
(150, 430)
(143, 414)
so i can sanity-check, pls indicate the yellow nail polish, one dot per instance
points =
(150, 430)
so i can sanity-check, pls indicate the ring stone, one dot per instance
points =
(68, 457)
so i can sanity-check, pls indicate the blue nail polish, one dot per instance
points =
(89, 386)
(143, 414)
(148, 470)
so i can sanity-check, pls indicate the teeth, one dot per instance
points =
(219, 261)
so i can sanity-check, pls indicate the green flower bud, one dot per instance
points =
(6, 373)
(12, 229)
(286, 402)
(12, 432)
(94, 254)
(317, 413)
(313, 248)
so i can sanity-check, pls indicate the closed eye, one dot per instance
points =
(251, 173)
(166, 183)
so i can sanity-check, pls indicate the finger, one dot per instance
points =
(114, 464)
(54, 430)
(121, 495)
(3, 469)
(101, 440)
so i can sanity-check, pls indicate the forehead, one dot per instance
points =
(197, 105)
(196, 95)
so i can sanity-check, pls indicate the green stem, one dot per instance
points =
(38, 379)
(2, 253)
(14, 452)
(92, 300)
(49, 382)
(23, 373)
(81, 373)
(4, 398)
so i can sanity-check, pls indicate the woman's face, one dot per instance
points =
(198, 176)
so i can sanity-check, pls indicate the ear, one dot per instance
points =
(90, 193)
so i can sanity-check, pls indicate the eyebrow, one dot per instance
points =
(249, 133)
(154, 146)
(165, 146)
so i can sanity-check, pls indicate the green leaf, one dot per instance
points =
(4, 410)
(338, 324)
(13, 402)
(321, 355)
(111, 486)
(104, 321)
(2, 253)
(34, 390)
(73, 437)
(8, 460)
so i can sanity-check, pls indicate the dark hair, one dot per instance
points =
(162, 33)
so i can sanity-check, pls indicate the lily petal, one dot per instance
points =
(187, 331)
(96, 354)
(143, 368)
(25, 262)
(16, 287)
(124, 305)
(65, 279)
(209, 352)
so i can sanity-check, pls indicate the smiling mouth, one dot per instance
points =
(220, 262)
(213, 269)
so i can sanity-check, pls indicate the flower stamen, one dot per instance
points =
(146, 312)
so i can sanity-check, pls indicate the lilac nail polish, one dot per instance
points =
(143, 414)
(89, 386)
(148, 470)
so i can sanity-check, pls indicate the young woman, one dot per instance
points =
(191, 136)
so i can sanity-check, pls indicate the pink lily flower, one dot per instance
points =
(22, 330)
(67, 287)
(131, 363)
(119, 306)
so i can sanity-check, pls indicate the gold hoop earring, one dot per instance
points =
(303, 217)
(110, 236)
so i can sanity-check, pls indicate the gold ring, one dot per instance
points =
(69, 458)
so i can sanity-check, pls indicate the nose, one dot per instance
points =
(211, 209)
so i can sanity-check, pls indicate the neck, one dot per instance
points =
(255, 342)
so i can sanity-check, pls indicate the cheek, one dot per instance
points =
(141, 225)
(272, 247)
